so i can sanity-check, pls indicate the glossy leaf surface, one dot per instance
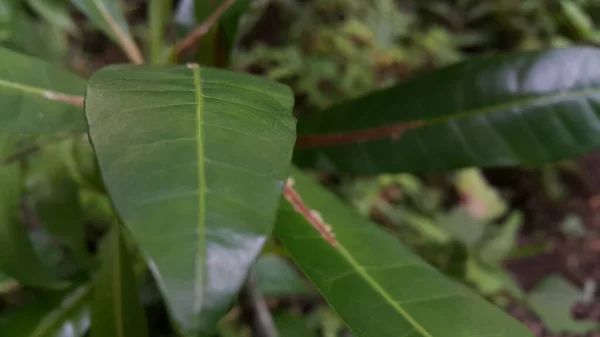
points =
(109, 17)
(514, 109)
(117, 309)
(18, 258)
(378, 286)
(37, 97)
(62, 314)
(194, 160)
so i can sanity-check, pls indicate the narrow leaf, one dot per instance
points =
(62, 314)
(37, 97)
(17, 256)
(55, 12)
(117, 310)
(194, 160)
(108, 16)
(377, 286)
(516, 109)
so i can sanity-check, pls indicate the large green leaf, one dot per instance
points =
(61, 314)
(378, 286)
(109, 17)
(117, 310)
(37, 97)
(525, 108)
(194, 160)
(17, 255)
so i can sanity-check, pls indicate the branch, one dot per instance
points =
(192, 38)
(253, 302)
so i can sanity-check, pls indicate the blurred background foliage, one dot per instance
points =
(528, 239)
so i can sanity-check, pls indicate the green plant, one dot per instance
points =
(197, 163)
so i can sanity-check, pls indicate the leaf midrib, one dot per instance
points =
(382, 292)
(30, 89)
(485, 110)
(199, 122)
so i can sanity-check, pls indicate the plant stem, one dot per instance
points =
(158, 12)
(254, 303)
(192, 38)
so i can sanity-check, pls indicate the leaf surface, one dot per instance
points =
(62, 314)
(516, 109)
(37, 97)
(117, 309)
(194, 160)
(378, 287)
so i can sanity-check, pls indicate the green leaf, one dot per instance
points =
(55, 12)
(480, 199)
(38, 97)
(7, 283)
(117, 310)
(276, 277)
(17, 256)
(516, 109)
(61, 314)
(108, 16)
(378, 287)
(552, 300)
(55, 197)
(194, 161)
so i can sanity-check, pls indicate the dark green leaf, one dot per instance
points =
(55, 197)
(61, 314)
(7, 283)
(108, 16)
(17, 256)
(194, 160)
(276, 277)
(517, 109)
(117, 310)
(38, 97)
(377, 286)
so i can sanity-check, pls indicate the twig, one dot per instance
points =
(254, 304)
(69, 99)
(192, 38)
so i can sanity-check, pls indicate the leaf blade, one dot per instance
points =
(235, 134)
(117, 309)
(107, 15)
(369, 278)
(51, 315)
(39, 97)
(523, 108)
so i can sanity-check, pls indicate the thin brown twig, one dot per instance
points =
(192, 38)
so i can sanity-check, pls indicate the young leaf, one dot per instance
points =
(194, 160)
(38, 97)
(17, 256)
(377, 286)
(66, 313)
(108, 16)
(524, 108)
(117, 310)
